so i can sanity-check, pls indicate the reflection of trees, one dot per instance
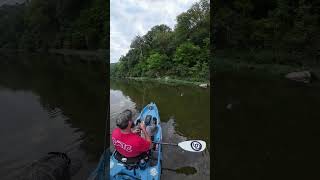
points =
(191, 110)
(267, 112)
(78, 89)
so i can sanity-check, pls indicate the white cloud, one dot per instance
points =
(130, 18)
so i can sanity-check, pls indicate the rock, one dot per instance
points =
(53, 166)
(302, 76)
(205, 85)
(229, 106)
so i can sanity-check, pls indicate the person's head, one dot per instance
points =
(125, 120)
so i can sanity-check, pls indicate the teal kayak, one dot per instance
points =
(147, 167)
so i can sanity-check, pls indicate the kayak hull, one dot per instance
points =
(119, 172)
(116, 170)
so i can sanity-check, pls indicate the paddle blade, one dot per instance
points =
(193, 145)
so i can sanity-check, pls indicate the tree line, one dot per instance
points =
(182, 52)
(44, 24)
(268, 32)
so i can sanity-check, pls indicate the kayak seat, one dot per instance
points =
(126, 160)
(132, 162)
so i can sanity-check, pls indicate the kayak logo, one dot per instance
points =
(122, 145)
(195, 145)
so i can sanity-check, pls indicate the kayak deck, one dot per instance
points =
(152, 170)
(119, 171)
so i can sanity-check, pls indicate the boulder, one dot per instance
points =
(53, 166)
(205, 85)
(302, 76)
(229, 106)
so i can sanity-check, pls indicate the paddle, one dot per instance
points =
(191, 145)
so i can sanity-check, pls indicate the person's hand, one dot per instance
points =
(142, 125)
(136, 131)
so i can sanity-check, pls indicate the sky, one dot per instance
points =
(129, 18)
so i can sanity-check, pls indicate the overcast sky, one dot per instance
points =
(130, 18)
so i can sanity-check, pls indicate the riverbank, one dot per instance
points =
(92, 56)
(100, 53)
(167, 80)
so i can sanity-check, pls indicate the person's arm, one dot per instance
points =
(146, 135)
(136, 131)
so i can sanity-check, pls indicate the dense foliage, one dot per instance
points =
(268, 32)
(181, 53)
(43, 24)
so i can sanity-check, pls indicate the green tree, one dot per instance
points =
(155, 62)
(187, 54)
(181, 53)
(194, 24)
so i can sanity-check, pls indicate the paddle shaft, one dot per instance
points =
(170, 144)
(163, 143)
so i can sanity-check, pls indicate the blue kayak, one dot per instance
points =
(146, 168)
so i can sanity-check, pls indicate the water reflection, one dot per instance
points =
(267, 130)
(184, 112)
(189, 106)
(50, 103)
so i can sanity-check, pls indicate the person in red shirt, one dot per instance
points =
(127, 142)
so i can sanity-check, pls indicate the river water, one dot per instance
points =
(263, 125)
(266, 127)
(50, 103)
(58, 103)
(184, 113)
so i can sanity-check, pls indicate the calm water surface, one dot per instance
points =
(185, 114)
(50, 103)
(266, 127)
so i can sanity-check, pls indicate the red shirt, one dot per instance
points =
(129, 145)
